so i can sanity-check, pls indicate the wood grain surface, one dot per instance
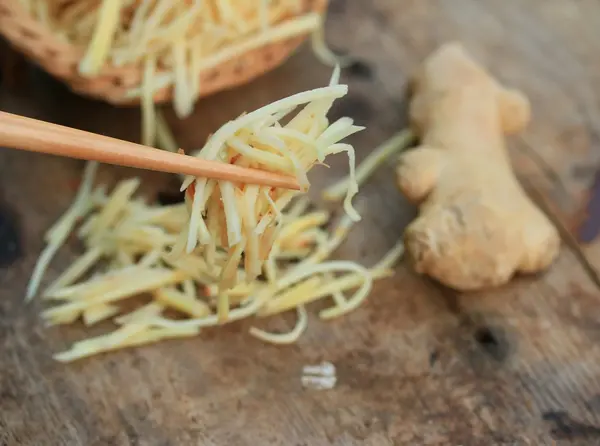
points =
(417, 364)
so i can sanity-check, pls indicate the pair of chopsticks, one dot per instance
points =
(18, 132)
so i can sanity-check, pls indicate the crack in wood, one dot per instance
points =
(566, 236)
(567, 428)
(589, 228)
(10, 244)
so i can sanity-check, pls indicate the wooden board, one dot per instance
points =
(417, 364)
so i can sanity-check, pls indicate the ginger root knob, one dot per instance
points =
(476, 226)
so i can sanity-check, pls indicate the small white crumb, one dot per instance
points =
(319, 377)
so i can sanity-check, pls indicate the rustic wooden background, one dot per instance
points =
(417, 364)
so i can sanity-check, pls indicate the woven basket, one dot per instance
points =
(112, 83)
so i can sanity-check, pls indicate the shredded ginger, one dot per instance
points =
(244, 220)
(229, 252)
(174, 43)
(129, 275)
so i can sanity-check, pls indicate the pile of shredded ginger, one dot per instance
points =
(230, 252)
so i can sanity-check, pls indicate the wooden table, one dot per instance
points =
(417, 364)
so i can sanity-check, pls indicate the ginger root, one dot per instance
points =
(476, 226)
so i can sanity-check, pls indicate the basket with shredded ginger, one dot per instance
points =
(154, 51)
(106, 48)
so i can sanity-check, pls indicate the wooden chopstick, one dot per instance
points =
(18, 132)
